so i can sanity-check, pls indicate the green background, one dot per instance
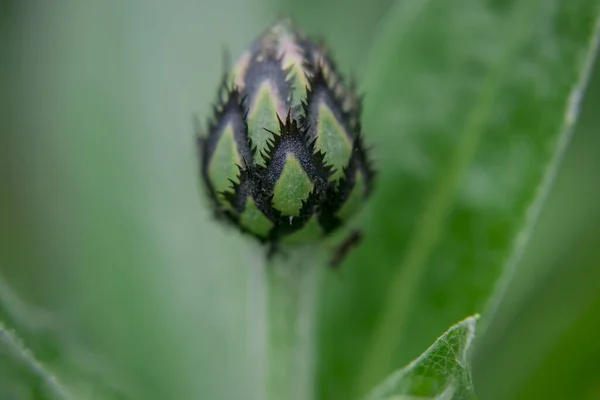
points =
(115, 277)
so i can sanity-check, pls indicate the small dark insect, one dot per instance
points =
(350, 243)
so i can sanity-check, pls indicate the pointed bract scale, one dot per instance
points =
(267, 93)
(351, 191)
(226, 143)
(293, 168)
(294, 139)
(318, 54)
(251, 207)
(287, 42)
(328, 124)
(306, 226)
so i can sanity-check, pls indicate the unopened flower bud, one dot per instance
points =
(283, 156)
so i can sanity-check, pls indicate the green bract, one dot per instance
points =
(283, 157)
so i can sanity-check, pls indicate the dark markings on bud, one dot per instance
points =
(292, 179)
(239, 191)
(263, 67)
(359, 167)
(318, 54)
(293, 141)
(229, 111)
(318, 93)
(249, 186)
(361, 163)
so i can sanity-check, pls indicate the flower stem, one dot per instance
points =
(291, 286)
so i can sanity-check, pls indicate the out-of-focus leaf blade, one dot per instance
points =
(549, 349)
(21, 374)
(571, 118)
(466, 102)
(542, 342)
(441, 372)
(41, 359)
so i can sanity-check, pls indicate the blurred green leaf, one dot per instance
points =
(549, 349)
(40, 359)
(22, 376)
(543, 342)
(441, 372)
(470, 105)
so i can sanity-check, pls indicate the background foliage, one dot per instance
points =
(113, 275)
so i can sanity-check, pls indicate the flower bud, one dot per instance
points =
(283, 156)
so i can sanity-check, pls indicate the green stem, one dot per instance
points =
(291, 286)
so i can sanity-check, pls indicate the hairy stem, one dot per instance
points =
(291, 288)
